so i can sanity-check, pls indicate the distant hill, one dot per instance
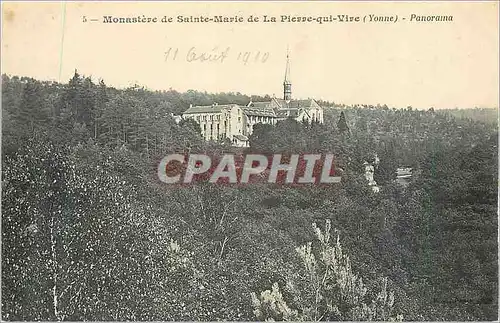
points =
(486, 115)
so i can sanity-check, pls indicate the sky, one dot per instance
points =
(404, 63)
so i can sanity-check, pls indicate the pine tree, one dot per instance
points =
(342, 123)
(32, 110)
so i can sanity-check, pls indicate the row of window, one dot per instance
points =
(201, 119)
(252, 120)
(210, 117)
(260, 119)
(212, 127)
(210, 135)
(215, 117)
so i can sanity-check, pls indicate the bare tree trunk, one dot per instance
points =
(223, 244)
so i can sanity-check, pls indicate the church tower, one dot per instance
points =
(287, 84)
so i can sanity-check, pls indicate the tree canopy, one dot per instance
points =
(89, 233)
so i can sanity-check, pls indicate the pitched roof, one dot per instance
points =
(207, 109)
(259, 111)
(294, 103)
(293, 112)
(265, 104)
(284, 108)
(301, 103)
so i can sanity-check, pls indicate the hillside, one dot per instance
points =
(89, 233)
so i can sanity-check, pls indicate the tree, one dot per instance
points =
(342, 123)
(385, 172)
(32, 111)
(89, 233)
(335, 293)
(192, 124)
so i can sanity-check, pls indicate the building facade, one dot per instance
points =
(217, 122)
(235, 123)
(280, 109)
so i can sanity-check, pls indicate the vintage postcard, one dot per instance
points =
(249, 161)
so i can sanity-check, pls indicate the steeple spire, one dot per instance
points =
(287, 69)
(287, 84)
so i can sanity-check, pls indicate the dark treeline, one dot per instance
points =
(89, 233)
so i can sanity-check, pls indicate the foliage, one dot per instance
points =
(89, 233)
(342, 124)
(335, 293)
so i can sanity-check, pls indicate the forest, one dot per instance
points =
(89, 233)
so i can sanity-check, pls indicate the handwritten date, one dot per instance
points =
(215, 55)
